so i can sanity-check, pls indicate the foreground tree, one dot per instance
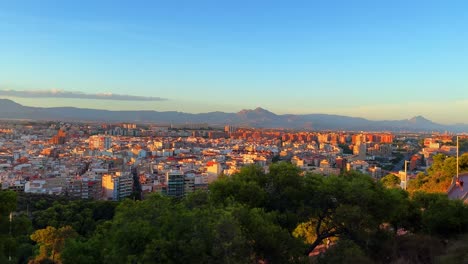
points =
(391, 181)
(7, 206)
(351, 206)
(345, 251)
(159, 230)
(441, 216)
(83, 216)
(256, 217)
(7, 202)
(51, 242)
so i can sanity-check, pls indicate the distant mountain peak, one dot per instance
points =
(8, 102)
(258, 117)
(258, 111)
(263, 111)
(419, 119)
(7, 105)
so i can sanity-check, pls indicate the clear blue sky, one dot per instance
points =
(375, 59)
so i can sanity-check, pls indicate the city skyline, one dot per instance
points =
(373, 60)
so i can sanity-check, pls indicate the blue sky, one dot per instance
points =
(374, 59)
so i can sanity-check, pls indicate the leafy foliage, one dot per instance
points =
(440, 216)
(391, 181)
(252, 217)
(439, 175)
(345, 251)
(82, 215)
(7, 202)
(51, 242)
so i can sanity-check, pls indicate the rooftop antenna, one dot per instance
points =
(406, 174)
(458, 146)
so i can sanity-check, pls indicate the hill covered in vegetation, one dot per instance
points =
(252, 217)
(439, 176)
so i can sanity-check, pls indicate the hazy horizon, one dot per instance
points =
(17, 100)
(380, 61)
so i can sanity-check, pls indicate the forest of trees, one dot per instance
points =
(251, 217)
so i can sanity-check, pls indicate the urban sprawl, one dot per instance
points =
(114, 161)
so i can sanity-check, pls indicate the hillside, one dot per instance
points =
(258, 117)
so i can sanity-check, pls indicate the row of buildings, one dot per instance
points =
(90, 161)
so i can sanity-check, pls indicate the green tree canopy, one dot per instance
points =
(391, 181)
(253, 217)
(51, 242)
(7, 202)
(441, 216)
(439, 176)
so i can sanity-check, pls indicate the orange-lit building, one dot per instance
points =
(386, 138)
(100, 142)
(59, 138)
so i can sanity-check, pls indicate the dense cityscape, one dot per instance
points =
(233, 132)
(68, 162)
(100, 161)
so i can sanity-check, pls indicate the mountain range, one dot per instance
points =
(258, 117)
